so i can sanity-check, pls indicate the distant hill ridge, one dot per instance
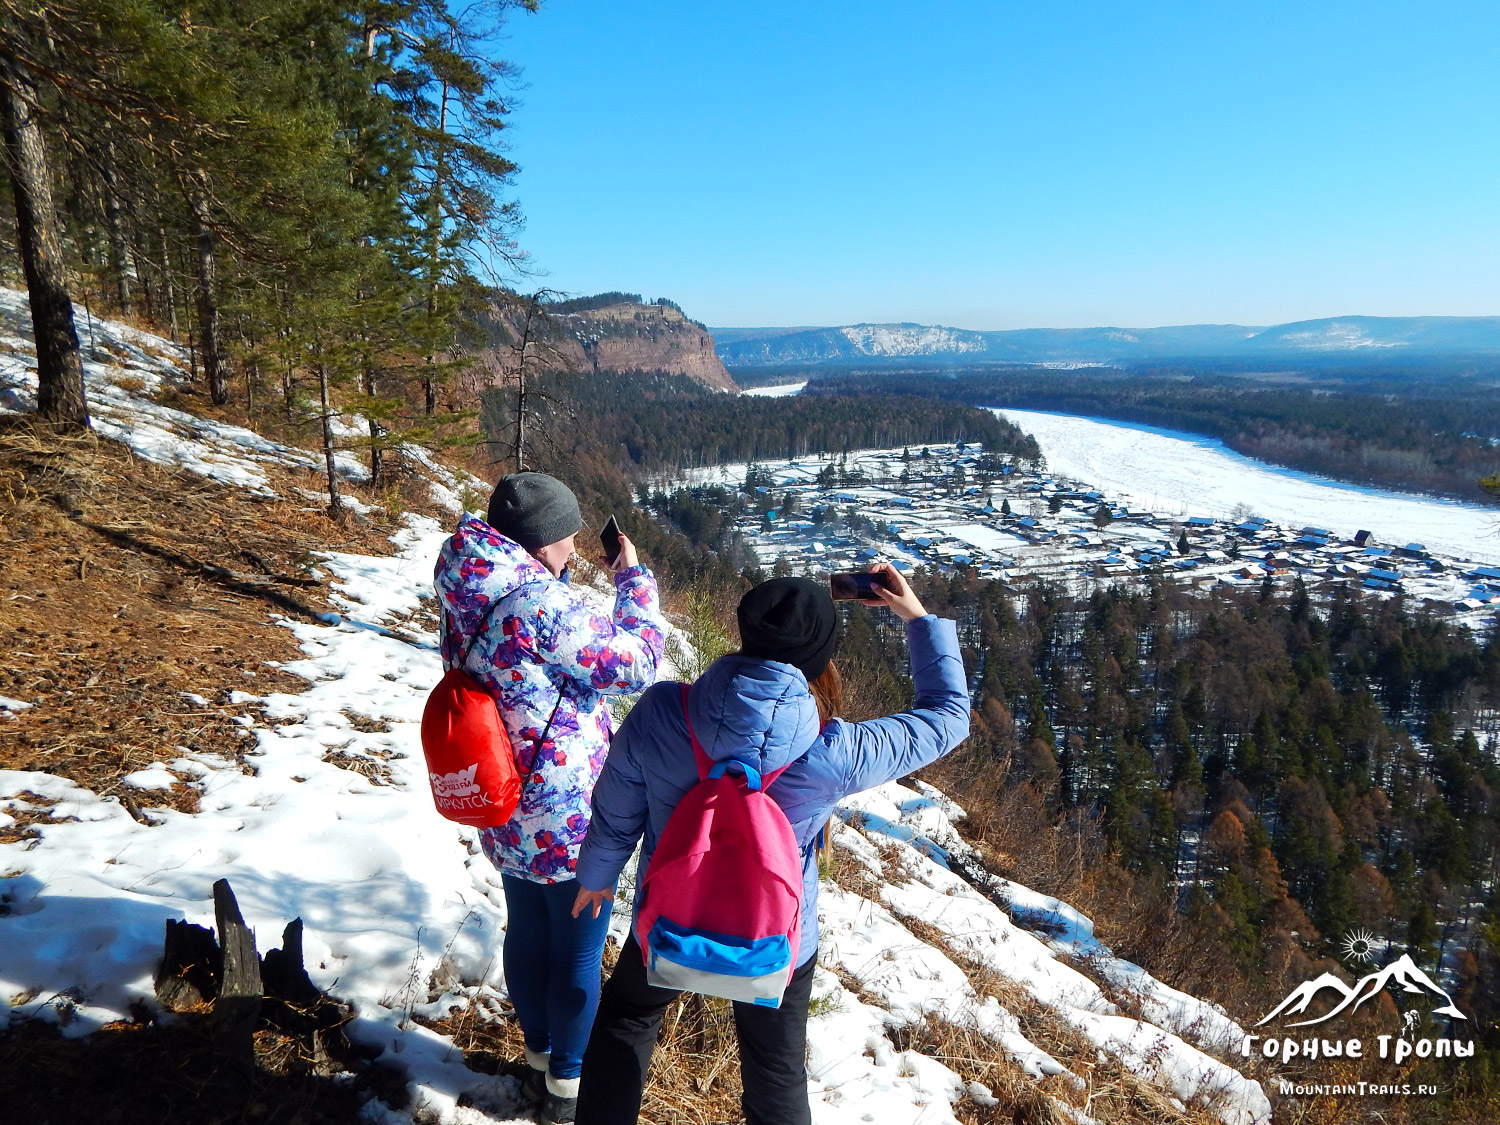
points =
(1370, 337)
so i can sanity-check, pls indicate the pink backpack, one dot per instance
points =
(720, 907)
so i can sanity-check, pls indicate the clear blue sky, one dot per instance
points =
(1008, 164)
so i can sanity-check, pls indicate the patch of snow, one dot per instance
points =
(781, 390)
(154, 776)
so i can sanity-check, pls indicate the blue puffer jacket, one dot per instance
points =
(743, 707)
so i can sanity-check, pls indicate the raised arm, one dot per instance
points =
(882, 750)
(615, 655)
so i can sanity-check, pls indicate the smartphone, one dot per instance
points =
(858, 585)
(609, 539)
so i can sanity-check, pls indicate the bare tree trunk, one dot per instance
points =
(119, 252)
(377, 451)
(60, 394)
(169, 291)
(284, 333)
(521, 395)
(335, 501)
(435, 247)
(148, 297)
(252, 364)
(209, 344)
(521, 418)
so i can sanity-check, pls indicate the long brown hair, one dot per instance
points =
(828, 693)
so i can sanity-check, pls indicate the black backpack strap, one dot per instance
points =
(464, 659)
(537, 749)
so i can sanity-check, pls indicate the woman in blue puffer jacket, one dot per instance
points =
(770, 704)
(549, 658)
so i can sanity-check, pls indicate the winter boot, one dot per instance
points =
(561, 1104)
(534, 1085)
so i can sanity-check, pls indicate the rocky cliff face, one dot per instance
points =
(618, 337)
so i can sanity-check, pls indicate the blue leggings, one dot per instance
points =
(552, 968)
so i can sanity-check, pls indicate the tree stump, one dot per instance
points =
(237, 1009)
(283, 973)
(190, 965)
(249, 992)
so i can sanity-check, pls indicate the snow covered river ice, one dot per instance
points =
(1178, 473)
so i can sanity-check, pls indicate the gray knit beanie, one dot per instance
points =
(533, 509)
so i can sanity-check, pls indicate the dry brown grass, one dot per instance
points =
(694, 1077)
(127, 586)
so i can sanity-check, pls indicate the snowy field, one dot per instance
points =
(1177, 473)
(780, 390)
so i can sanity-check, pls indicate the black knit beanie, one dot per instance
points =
(791, 620)
(533, 509)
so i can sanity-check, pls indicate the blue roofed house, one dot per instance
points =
(1383, 579)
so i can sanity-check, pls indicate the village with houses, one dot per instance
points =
(954, 506)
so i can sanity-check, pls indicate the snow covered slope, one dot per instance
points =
(126, 369)
(911, 339)
(405, 920)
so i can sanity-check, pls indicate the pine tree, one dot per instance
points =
(60, 394)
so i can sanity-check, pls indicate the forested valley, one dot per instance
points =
(1426, 428)
(1232, 782)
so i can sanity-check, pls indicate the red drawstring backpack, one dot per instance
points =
(470, 761)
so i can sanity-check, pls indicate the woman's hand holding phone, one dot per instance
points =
(895, 593)
(619, 551)
(627, 556)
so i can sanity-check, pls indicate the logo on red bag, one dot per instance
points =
(453, 785)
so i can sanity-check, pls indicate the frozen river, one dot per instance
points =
(1173, 472)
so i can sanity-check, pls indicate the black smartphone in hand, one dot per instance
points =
(609, 539)
(856, 585)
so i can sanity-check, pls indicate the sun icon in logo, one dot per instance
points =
(1358, 945)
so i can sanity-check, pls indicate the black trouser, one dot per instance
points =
(773, 1048)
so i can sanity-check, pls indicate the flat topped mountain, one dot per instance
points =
(611, 333)
(1366, 336)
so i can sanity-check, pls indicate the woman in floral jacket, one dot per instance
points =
(549, 658)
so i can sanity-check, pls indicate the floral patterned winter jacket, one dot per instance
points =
(544, 647)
